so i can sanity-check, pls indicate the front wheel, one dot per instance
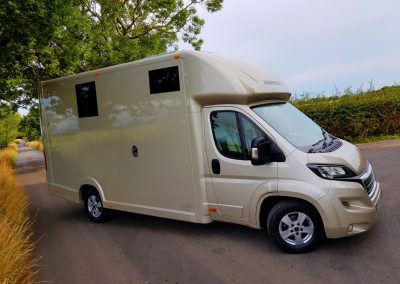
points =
(94, 207)
(294, 227)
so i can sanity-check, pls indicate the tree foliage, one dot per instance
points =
(9, 121)
(29, 126)
(43, 39)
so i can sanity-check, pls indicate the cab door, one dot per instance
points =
(228, 134)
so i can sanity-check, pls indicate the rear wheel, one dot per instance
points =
(294, 227)
(94, 207)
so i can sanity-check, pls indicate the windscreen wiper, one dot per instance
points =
(324, 145)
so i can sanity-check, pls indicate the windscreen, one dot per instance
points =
(292, 124)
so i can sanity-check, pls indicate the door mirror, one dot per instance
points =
(260, 151)
(264, 151)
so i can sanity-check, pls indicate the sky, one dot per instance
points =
(315, 46)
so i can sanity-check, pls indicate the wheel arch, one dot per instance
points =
(88, 183)
(269, 201)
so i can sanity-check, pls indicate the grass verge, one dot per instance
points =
(38, 145)
(16, 263)
(8, 156)
(372, 139)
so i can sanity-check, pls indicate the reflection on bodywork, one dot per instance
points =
(62, 122)
(123, 115)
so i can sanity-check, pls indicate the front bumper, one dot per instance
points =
(350, 208)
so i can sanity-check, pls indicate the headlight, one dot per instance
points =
(331, 171)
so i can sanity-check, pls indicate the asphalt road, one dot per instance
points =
(140, 249)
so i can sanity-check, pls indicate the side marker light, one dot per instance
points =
(212, 210)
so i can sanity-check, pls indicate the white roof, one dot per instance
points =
(212, 78)
(210, 74)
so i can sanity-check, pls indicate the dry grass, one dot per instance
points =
(8, 156)
(17, 141)
(13, 145)
(38, 145)
(16, 264)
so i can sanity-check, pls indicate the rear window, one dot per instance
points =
(164, 80)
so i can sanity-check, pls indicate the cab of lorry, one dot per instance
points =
(314, 184)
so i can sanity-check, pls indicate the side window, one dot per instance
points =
(164, 80)
(225, 130)
(233, 133)
(86, 99)
(250, 131)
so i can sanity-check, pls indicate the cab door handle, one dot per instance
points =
(216, 167)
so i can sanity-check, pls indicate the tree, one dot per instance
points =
(41, 39)
(29, 126)
(9, 121)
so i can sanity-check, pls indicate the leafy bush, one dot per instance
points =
(357, 117)
(29, 126)
(9, 122)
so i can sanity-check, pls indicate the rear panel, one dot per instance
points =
(97, 140)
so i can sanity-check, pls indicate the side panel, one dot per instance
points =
(160, 178)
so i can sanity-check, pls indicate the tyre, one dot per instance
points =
(294, 226)
(94, 207)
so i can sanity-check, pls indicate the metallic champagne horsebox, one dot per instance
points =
(203, 137)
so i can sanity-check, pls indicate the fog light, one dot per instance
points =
(350, 228)
(346, 203)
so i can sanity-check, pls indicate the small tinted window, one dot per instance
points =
(164, 80)
(226, 134)
(86, 99)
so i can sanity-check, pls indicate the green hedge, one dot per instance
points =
(356, 117)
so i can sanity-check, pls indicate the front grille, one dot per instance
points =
(368, 181)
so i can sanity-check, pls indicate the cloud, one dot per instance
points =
(311, 42)
(326, 74)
